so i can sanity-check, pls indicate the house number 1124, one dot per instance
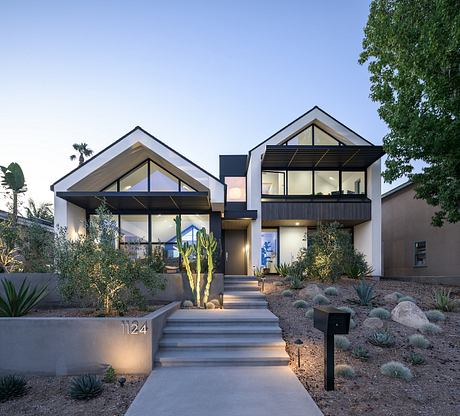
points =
(134, 327)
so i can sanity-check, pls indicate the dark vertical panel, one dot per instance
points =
(215, 226)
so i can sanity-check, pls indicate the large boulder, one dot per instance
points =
(409, 314)
(310, 291)
(373, 323)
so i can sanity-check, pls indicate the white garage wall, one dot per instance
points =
(291, 241)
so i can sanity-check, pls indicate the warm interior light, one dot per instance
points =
(297, 223)
(331, 178)
(234, 193)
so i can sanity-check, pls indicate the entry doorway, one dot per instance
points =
(235, 252)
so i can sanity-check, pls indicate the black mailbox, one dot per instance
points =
(330, 321)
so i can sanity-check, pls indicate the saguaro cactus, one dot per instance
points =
(185, 250)
(210, 245)
(198, 249)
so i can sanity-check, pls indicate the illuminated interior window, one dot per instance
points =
(273, 182)
(303, 138)
(327, 182)
(236, 188)
(136, 180)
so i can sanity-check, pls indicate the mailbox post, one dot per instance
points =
(330, 321)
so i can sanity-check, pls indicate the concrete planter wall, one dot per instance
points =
(62, 346)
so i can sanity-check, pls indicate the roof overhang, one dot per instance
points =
(140, 201)
(321, 157)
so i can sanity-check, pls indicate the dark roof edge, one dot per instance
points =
(123, 137)
(397, 189)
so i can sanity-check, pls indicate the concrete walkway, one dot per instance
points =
(227, 362)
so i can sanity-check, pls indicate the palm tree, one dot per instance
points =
(84, 151)
(13, 180)
(42, 211)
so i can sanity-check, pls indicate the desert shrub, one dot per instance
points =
(406, 299)
(10, 261)
(361, 353)
(435, 315)
(442, 299)
(19, 302)
(187, 304)
(347, 309)
(331, 291)
(12, 386)
(110, 376)
(300, 304)
(321, 300)
(353, 324)
(157, 262)
(344, 370)
(282, 269)
(419, 341)
(216, 303)
(36, 245)
(396, 370)
(92, 267)
(431, 329)
(364, 292)
(342, 342)
(295, 275)
(415, 358)
(355, 265)
(309, 313)
(382, 338)
(85, 387)
(381, 313)
(287, 293)
(278, 283)
(210, 305)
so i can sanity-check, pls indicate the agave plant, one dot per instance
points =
(12, 386)
(85, 387)
(365, 292)
(382, 338)
(18, 303)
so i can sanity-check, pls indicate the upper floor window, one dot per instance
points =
(161, 180)
(236, 188)
(136, 180)
(353, 183)
(273, 182)
(327, 182)
(313, 136)
(300, 182)
(305, 137)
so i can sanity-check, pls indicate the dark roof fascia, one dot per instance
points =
(397, 189)
(123, 137)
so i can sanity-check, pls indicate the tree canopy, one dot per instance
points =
(413, 52)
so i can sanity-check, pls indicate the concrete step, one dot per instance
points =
(243, 294)
(233, 357)
(220, 331)
(225, 343)
(219, 322)
(239, 276)
(241, 282)
(240, 287)
(245, 305)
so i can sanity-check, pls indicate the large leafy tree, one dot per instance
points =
(83, 151)
(413, 52)
(13, 180)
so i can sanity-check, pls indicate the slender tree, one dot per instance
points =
(13, 180)
(83, 151)
(413, 52)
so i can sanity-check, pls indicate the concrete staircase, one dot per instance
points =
(244, 333)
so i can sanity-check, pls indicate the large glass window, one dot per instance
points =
(269, 249)
(236, 188)
(300, 182)
(191, 224)
(326, 182)
(353, 183)
(161, 180)
(273, 183)
(303, 138)
(134, 232)
(111, 188)
(324, 139)
(136, 180)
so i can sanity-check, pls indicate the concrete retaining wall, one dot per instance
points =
(63, 346)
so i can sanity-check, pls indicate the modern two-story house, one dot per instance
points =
(262, 208)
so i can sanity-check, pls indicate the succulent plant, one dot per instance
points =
(347, 309)
(442, 299)
(110, 375)
(342, 342)
(353, 323)
(381, 313)
(364, 292)
(85, 387)
(309, 313)
(210, 305)
(331, 291)
(419, 341)
(431, 329)
(278, 283)
(187, 304)
(288, 293)
(300, 304)
(12, 386)
(406, 299)
(396, 369)
(415, 358)
(361, 353)
(435, 315)
(382, 338)
(321, 300)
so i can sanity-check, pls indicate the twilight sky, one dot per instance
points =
(206, 77)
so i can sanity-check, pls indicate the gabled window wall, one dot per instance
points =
(313, 182)
(149, 177)
(313, 136)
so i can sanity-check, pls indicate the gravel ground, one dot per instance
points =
(435, 388)
(50, 396)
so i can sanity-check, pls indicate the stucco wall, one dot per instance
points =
(291, 241)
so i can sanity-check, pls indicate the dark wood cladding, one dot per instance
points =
(358, 211)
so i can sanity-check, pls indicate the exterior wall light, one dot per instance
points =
(298, 342)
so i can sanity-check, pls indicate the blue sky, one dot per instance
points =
(206, 77)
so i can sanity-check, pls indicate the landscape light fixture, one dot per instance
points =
(221, 300)
(262, 279)
(122, 381)
(298, 342)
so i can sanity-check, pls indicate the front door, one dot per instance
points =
(235, 252)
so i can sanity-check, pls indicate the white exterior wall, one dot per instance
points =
(69, 215)
(292, 239)
(368, 236)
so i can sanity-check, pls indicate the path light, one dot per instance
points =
(121, 381)
(298, 342)
(221, 300)
(262, 279)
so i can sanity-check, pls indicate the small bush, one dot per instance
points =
(442, 299)
(419, 341)
(355, 265)
(415, 358)
(435, 315)
(321, 300)
(406, 299)
(216, 303)
(381, 313)
(300, 304)
(431, 329)
(331, 291)
(342, 342)
(396, 370)
(210, 305)
(353, 324)
(287, 292)
(382, 338)
(364, 292)
(278, 283)
(282, 269)
(347, 309)
(399, 295)
(361, 353)
(187, 304)
(110, 375)
(85, 387)
(309, 313)
(12, 386)
(344, 370)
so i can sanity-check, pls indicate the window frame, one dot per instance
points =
(417, 252)
(313, 126)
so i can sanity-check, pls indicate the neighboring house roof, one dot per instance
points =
(48, 225)
(397, 189)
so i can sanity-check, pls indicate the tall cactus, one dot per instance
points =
(210, 245)
(185, 250)
(198, 249)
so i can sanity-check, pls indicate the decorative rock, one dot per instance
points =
(409, 314)
(310, 291)
(373, 323)
(392, 297)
